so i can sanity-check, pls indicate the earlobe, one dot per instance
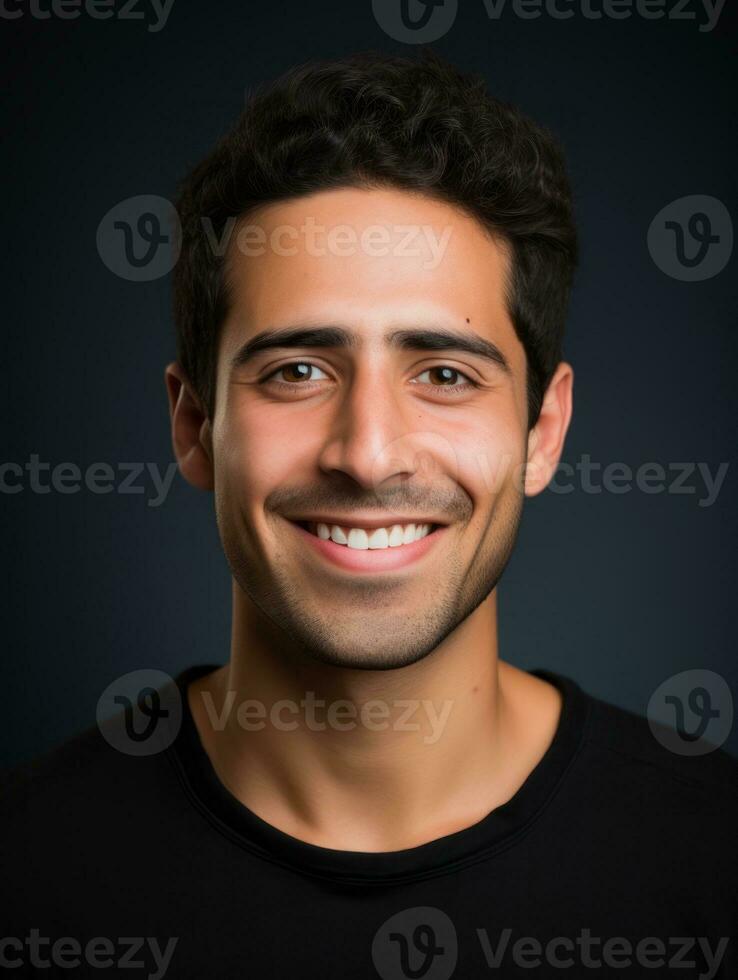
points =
(546, 439)
(191, 432)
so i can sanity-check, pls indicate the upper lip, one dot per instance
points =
(358, 520)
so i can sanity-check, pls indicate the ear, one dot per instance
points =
(191, 431)
(546, 439)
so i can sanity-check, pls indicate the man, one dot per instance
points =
(370, 301)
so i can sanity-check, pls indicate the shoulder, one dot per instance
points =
(651, 751)
(634, 779)
(79, 817)
(118, 766)
(74, 804)
(84, 775)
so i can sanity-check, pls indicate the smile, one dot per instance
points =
(375, 538)
(372, 549)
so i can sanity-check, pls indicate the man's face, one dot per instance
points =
(368, 434)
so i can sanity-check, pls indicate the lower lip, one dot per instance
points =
(371, 559)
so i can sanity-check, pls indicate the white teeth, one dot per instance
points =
(378, 538)
(396, 536)
(358, 538)
(338, 535)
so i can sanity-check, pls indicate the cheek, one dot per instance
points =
(257, 451)
(488, 458)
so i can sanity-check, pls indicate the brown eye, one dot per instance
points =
(446, 374)
(295, 371)
(299, 371)
(446, 377)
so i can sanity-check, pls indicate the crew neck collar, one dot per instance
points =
(496, 830)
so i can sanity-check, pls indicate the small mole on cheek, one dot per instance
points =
(468, 320)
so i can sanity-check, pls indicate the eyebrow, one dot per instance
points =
(339, 337)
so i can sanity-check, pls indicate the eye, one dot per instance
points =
(447, 375)
(300, 371)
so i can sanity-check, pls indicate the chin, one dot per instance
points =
(392, 660)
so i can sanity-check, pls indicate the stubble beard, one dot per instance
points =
(362, 633)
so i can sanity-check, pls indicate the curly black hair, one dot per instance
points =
(369, 120)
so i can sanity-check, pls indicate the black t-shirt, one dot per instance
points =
(616, 857)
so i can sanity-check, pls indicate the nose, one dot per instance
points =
(370, 436)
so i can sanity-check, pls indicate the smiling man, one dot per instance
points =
(366, 449)
(370, 303)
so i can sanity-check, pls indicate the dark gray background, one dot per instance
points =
(619, 591)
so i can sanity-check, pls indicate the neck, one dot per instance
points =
(372, 760)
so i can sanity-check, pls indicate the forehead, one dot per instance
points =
(368, 259)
